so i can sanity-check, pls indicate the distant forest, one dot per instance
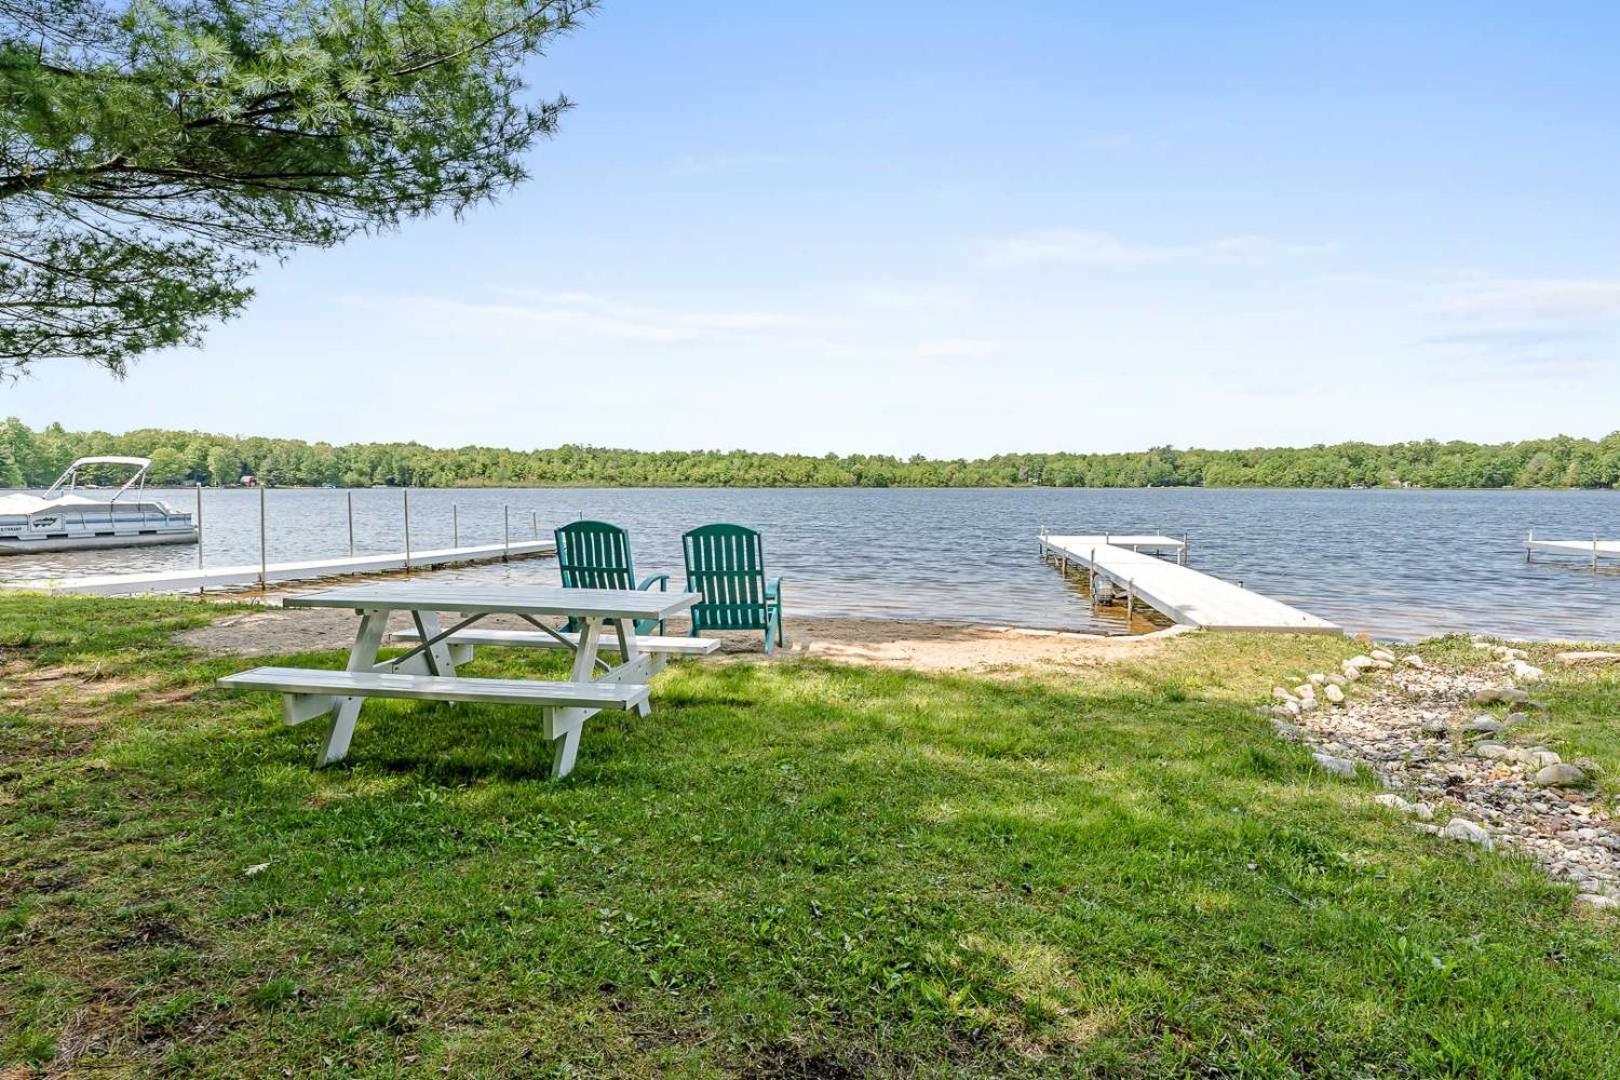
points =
(34, 458)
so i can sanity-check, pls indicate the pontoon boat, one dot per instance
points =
(61, 520)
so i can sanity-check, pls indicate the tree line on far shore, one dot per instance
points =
(31, 458)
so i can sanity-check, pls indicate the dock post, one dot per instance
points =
(1091, 579)
(1130, 602)
(506, 541)
(350, 494)
(201, 588)
(1185, 544)
(407, 493)
(455, 526)
(263, 560)
(1594, 554)
(534, 522)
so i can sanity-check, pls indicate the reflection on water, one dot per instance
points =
(1396, 563)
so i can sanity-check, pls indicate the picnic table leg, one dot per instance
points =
(629, 653)
(362, 657)
(565, 724)
(590, 637)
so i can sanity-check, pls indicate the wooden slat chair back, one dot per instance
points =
(725, 564)
(596, 555)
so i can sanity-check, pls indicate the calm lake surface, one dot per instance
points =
(1400, 564)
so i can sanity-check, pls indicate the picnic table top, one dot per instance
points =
(503, 599)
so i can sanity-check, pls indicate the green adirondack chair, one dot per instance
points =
(596, 555)
(726, 565)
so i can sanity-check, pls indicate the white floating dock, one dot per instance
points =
(227, 576)
(1594, 550)
(1187, 596)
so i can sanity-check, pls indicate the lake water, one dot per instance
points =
(1400, 564)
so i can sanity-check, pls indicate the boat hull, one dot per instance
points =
(25, 545)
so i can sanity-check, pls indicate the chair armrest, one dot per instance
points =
(662, 581)
(773, 590)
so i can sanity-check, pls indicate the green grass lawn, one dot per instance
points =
(789, 869)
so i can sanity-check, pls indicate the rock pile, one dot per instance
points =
(1422, 731)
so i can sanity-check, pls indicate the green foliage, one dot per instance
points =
(150, 150)
(186, 457)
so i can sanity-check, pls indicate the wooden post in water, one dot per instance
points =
(1130, 602)
(506, 534)
(1184, 546)
(350, 494)
(407, 493)
(455, 526)
(263, 551)
(200, 587)
(1594, 554)
(534, 522)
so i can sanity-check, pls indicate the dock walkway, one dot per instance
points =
(1185, 595)
(214, 577)
(1594, 549)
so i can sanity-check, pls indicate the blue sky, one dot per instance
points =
(955, 229)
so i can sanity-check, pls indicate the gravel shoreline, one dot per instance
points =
(1444, 744)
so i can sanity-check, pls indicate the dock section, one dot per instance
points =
(220, 577)
(1191, 598)
(1593, 550)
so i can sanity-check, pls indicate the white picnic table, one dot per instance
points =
(604, 617)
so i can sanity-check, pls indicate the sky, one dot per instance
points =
(957, 229)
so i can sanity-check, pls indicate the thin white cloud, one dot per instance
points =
(915, 299)
(1090, 248)
(585, 315)
(957, 348)
(1536, 298)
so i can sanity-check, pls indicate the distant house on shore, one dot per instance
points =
(250, 481)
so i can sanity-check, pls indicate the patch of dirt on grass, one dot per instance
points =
(66, 688)
(922, 646)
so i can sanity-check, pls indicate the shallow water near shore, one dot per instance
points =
(1398, 564)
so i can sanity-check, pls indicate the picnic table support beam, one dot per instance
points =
(363, 657)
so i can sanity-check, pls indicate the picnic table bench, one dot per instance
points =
(428, 670)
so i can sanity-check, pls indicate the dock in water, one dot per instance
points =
(219, 577)
(1186, 596)
(1594, 550)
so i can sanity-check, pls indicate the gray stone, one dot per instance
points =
(1284, 730)
(1413, 661)
(1492, 750)
(1589, 657)
(1360, 663)
(1336, 765)
(1338, 680)
(1463, 829)
(1560, 776)
(1333, 694)
(1484, 725)
(1422, 811)
(1317, 680)
(1598, 901)
(1526, 672)
(1384, 655)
